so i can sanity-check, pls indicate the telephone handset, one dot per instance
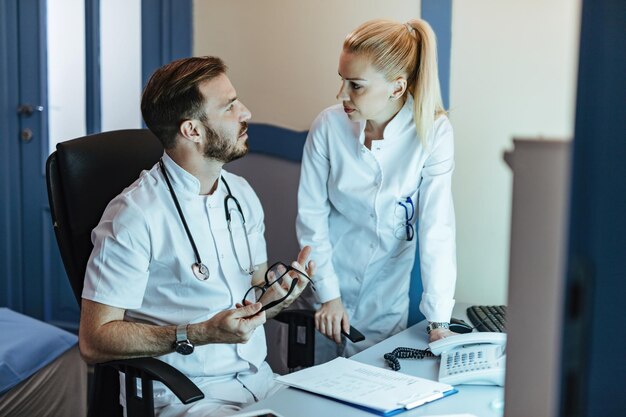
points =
(473, 358)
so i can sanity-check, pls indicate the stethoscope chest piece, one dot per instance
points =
(200, 271)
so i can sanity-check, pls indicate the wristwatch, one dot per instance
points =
(432, 325)
(182, 345)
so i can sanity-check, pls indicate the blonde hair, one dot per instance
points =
(404, 50)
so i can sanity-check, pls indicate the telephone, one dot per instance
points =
(473, 358)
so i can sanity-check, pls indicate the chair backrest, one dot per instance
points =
(83, 176)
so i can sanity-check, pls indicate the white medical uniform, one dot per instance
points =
(349, 212)
(142, 261)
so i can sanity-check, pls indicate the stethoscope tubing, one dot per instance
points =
(180, 213)
(199, 269)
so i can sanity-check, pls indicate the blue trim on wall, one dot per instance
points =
(180, 18)
(276, 141)
(166, 33)
(150, 38)
(439, 14)
(92, 57)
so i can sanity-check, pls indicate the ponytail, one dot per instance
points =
(424, 82)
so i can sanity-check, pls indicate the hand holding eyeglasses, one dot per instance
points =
(232, 326)
(282, 284)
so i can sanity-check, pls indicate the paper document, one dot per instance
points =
(451, 415)
(382, 390)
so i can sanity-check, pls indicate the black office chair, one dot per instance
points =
(83, 175)
(300, 337)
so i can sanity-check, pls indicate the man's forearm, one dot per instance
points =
(124, 340)
(105, 336)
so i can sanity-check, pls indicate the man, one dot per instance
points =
(169, 271)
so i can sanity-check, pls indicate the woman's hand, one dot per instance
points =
(331, 318)
(437, 334)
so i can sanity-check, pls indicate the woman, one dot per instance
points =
(373, 167)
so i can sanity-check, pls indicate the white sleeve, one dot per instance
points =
(314, 210)
(117, 270)
(436, 227)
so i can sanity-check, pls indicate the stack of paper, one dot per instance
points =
(375, 389)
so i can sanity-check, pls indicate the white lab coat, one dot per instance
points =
(142, 263)
(348, 212)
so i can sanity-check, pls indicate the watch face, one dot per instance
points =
(184, 348)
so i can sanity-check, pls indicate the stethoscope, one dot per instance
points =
(199, 269)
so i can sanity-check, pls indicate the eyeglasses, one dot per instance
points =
(405, 210)
(274, 276)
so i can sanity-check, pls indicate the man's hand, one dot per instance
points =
(229, 326)
(331, 318)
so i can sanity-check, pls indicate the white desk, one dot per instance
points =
(482, 401)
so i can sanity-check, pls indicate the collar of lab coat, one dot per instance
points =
(396, 125)
(182, 181)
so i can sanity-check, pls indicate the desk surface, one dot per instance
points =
(482, 401)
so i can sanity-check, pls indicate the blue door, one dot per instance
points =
(32, 281)
(24, 143)
(10, 292)
(32, 277)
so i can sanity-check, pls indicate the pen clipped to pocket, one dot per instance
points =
(354, 336)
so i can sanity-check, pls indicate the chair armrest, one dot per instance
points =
(157, 370)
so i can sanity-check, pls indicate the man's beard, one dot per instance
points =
(218, 147)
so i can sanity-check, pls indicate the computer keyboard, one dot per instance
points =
(488, 318)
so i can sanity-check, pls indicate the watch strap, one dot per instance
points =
(182, 344)
(181, 332)
(432, 325)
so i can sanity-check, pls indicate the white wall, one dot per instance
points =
(512, 74)
(66, 71)
(120, 64)
(283, 55)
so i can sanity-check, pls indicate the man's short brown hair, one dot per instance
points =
(172, 95)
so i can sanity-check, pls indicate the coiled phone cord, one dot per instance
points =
(406, 353)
